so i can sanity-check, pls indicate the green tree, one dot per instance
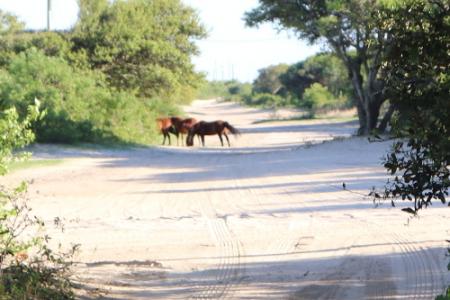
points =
(15, 133)
(417, 69)
(9, 26)
(323, 68)
(352, 33)
(80, 106)
(268, 80)
(329, 71)
(296, 80)
(140, 45)
(317, 97)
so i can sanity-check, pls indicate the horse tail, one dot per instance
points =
(232, 129)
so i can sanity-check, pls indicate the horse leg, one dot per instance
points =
(166, 135)
(203, 140)
(221, 140)
(188, 139)
(226, 136)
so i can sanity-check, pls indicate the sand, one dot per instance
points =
(266, 218)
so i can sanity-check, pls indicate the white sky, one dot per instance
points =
(230, 51)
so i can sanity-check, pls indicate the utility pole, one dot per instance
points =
(49, 8)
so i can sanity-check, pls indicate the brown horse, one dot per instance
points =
(182, 126)
(203, 128)
(165, 127)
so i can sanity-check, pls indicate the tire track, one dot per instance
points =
(420, 269)
(420, 277)
(229, 270)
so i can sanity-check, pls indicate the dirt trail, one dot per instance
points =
(264, 219)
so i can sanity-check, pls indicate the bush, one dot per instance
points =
(80, 106)
(318, 98)
(265, 100)
(231, 90)
(240, 89)
(29, 269)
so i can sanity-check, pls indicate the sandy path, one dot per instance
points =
(264, 219)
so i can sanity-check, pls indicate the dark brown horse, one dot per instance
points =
(165, 126)
(203, 128)
(182, 126)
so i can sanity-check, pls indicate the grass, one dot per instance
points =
(38, 163)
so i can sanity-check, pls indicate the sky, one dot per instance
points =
(231, 50)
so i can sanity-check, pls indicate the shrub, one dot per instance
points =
(265, 100)
(29, 269)
(318, 98)
(80, 106)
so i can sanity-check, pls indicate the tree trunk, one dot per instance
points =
(369, 100)
(373, 113)
(362, 117)
(386, 119)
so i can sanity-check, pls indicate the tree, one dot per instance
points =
(268, 80)
(317, 97)
(329, 71)
(140, 45)
(323, 68)
(417, 71)
(296, 80)
(350, 30)
(9, 26)
(80, 106)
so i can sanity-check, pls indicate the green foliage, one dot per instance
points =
(79, 104)
(317, 98)
(212, 89)
(29, 269)
(318, 83)
(268, 80)
(446, 295)
(109, 78)
(265, 100)
(423, 176)
(417, 69)
(15, 134)
(351, 31)
(323, 68)
(51, 43)
(140, 45)
(9, 24)
(329, 71)
(238, 90)
(228, 90)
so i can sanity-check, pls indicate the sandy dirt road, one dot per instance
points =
(264, 219)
